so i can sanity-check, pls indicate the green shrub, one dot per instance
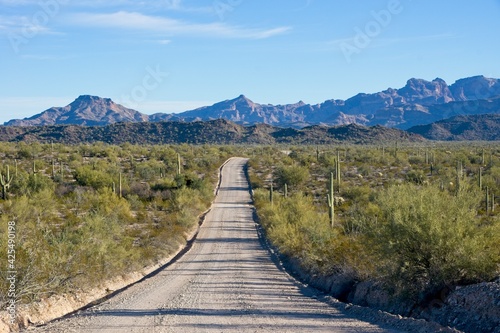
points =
(427, 239)
(87, 176)
(294, 176)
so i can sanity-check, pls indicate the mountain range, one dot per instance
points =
(419, 102)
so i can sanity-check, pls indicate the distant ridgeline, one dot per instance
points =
(219, 131)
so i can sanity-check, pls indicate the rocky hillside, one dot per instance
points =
(476, 127)
(218, 131)
(85, 110)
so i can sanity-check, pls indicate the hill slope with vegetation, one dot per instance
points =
(218, 131)
(462, 128)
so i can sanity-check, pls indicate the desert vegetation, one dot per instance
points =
(86, 213)
(417, 218)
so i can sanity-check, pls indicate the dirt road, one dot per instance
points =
(227, 282)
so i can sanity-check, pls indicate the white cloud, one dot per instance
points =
(167, 5)
(138, 21)
(25, 26)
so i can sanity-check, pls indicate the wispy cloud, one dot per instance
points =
(165, 5)
(23, 25)
(139, 21)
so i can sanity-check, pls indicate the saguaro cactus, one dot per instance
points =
(178, 163)
(271, 194)
(480, 179)
(286, 191)
(53, 169)
(120, 185)
(331, 201)
(460, 169)
(487, 199)
(337, 171)
(5, 181)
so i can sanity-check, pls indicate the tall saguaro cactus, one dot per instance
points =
(487, 199)
(53, 169)
(271, 199)
(460, 169)
(337, 171)
(5, 181)
(178, 163)
(35, 171)
(120, 185)
(331, 201)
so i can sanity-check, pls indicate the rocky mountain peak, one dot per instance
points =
(475, 87)
(89, 100)
(426, 92)
(85, 110)
(243, 100)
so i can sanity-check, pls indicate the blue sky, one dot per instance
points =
(175, 55)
